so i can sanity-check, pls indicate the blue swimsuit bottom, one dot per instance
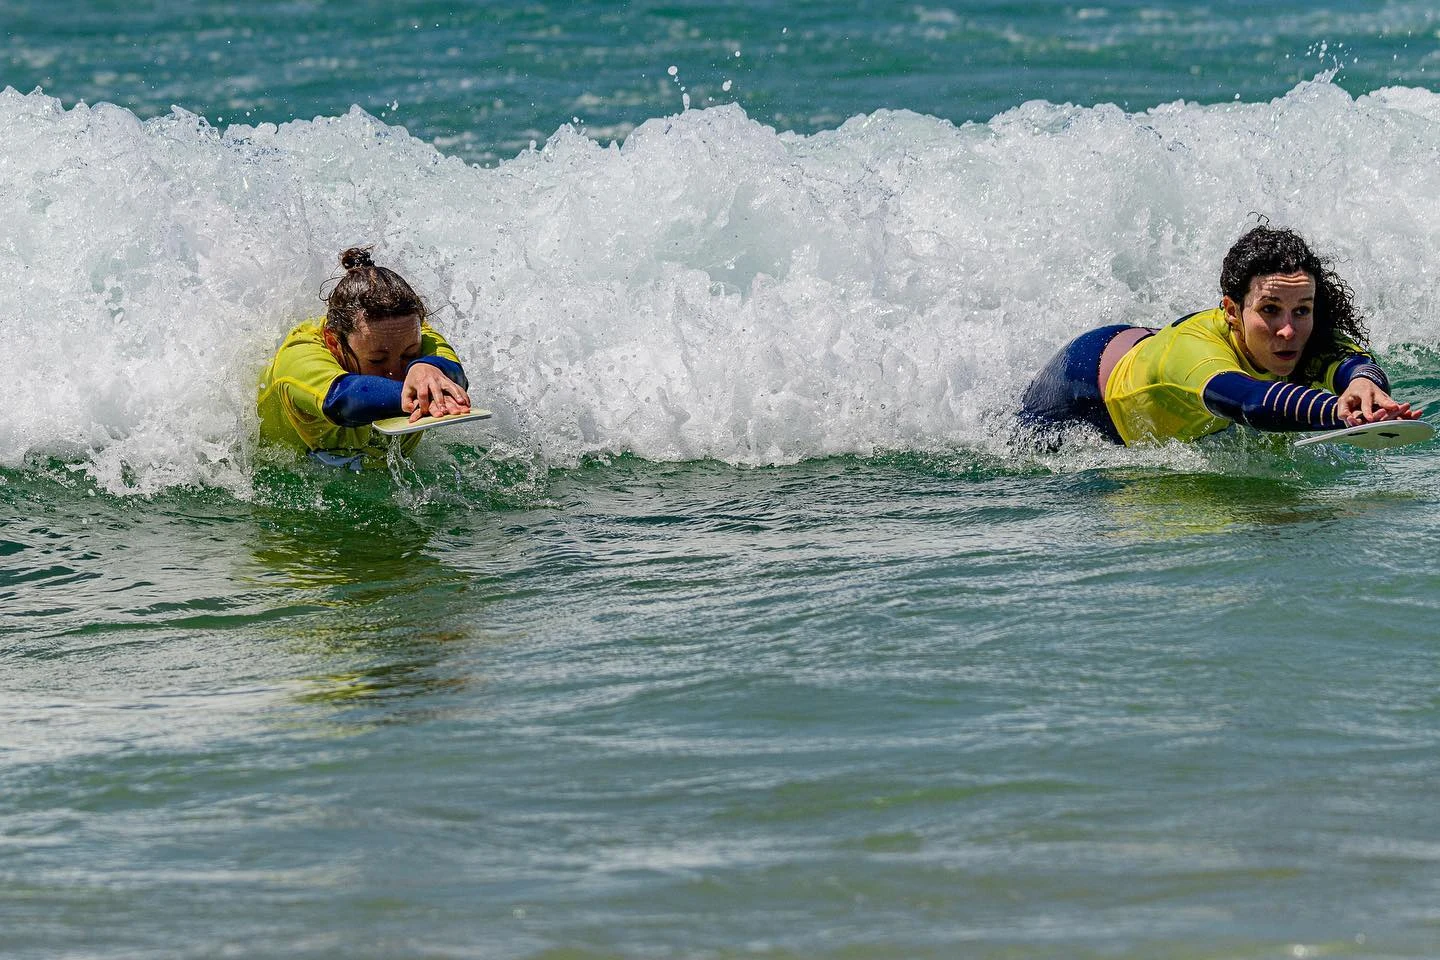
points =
(1067, 389)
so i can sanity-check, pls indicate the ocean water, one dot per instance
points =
(744, 629)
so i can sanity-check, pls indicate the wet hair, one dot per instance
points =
(1267, 250)
(367, 292)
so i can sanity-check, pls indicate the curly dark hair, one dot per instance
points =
(1266, 250)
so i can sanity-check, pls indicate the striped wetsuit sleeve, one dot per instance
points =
(1360, 365)
(1271, 405)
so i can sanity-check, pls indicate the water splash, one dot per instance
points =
(708, 288)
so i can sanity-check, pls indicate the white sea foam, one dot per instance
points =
(708, 288)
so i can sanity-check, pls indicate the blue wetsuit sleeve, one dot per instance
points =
(356, 399)
(1360, 365)
(1271, 405)
(450, 368)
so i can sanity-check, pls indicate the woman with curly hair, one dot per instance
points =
(1285, 351)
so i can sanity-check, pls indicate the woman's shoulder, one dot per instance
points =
(306, 331)
(1204, 329)
(305, 337)
(432, 341)
(302, 353)
(1208, 322)
(1195, 347)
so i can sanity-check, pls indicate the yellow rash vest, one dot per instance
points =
(1157, 390)
(295, 385)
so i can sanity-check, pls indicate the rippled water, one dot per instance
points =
(902, 707)
(743, 630)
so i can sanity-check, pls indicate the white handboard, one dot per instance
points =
(1375, 436)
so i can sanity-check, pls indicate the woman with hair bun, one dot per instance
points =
(1284, 351)
(372, 356)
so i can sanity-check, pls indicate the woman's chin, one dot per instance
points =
(1283, 366)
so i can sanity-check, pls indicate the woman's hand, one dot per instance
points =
(1364, 402)
(429, 393)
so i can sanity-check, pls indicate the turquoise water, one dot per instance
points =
(743, 630)
(482, 79)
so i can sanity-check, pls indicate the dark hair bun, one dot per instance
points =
(356, 257)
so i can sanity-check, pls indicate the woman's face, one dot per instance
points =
(1275, 321)
(380, 347)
